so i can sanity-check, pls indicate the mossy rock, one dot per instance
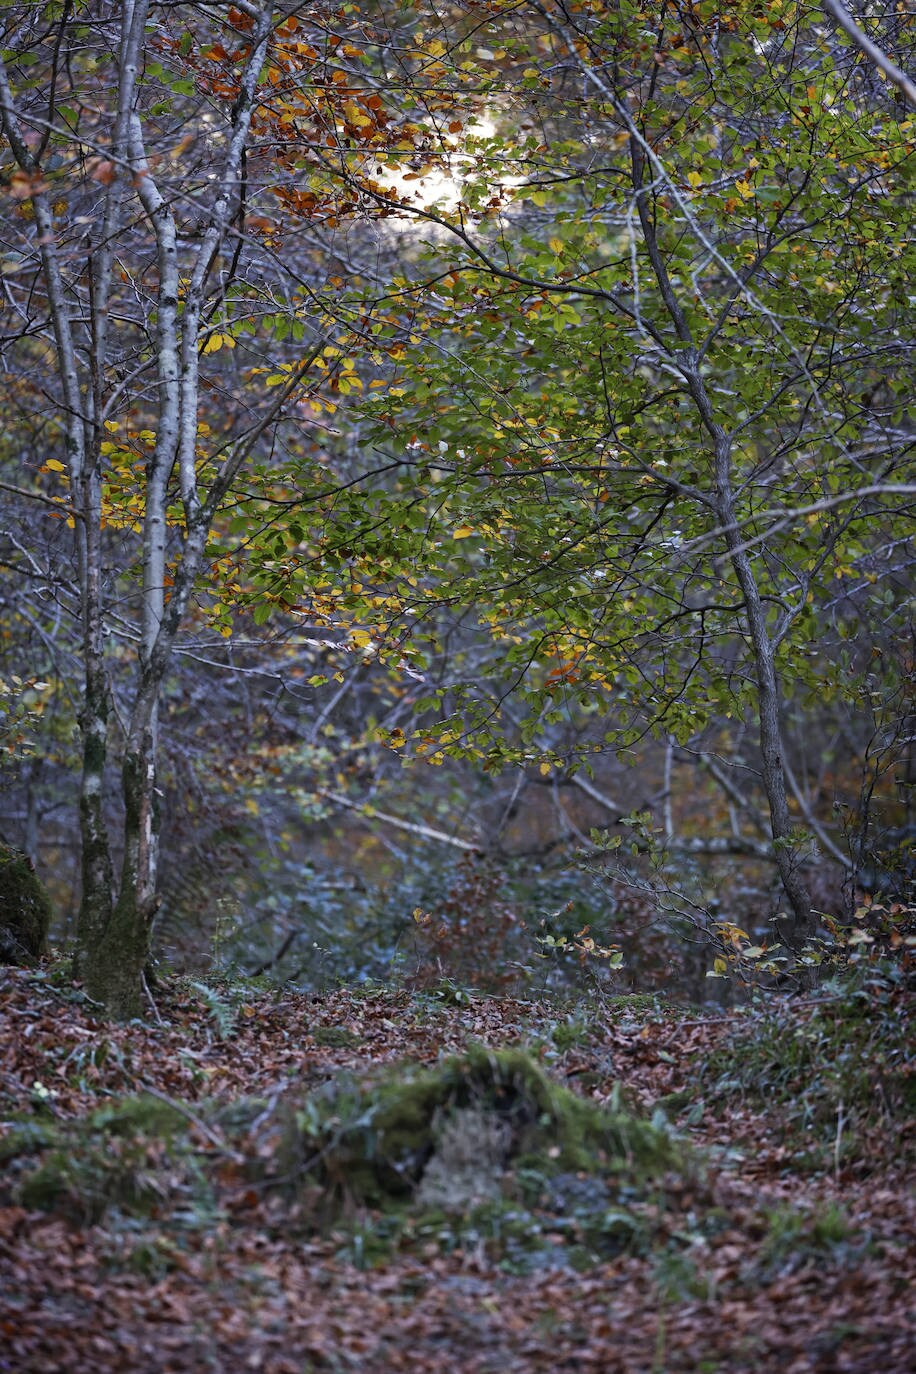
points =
(491, 1117)
(25, 909)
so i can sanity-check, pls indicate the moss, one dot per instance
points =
(25, 909)
(114, 966)
(674, 1103)
(335, 1037)
(143, 1115)
(631, 1001)
(99, 1161)
(372, 1144)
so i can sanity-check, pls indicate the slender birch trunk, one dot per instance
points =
(115, 973)
(114, 923)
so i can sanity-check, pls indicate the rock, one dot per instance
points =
(25, 909)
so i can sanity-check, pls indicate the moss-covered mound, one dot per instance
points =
(117, 1156)
(464, 1132)
(25, 909)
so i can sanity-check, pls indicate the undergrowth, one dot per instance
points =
(838, 1066)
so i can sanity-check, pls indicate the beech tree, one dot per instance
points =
(654, 429)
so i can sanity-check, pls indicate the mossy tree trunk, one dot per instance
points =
(96, 871)
(117, 956)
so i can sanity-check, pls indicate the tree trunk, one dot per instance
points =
(114, 970)
(113, 935)
(97, 879)
(796, 927)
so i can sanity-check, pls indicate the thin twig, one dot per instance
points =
(157, 1018)
(215, 1137)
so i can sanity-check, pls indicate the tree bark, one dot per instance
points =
(798, 927)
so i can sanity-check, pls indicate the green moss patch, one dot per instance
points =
(335, 1037)
(117, 1156)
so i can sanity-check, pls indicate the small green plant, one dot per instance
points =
(795, 1238)
(223, 1013)
(453, 994)
(679, 1278)
(573, 1032)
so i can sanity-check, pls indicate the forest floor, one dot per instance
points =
(129, 1247)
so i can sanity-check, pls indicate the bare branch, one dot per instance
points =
(874, 54)
(414, 827)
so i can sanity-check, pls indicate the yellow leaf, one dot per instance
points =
(360, 638)
(544, 769)
(745, 189)
(556, 246)
(720, 966)
(218, 341)
(694, 179)
(53, 465)
(111, 426)
(354, 115)
(462, 532)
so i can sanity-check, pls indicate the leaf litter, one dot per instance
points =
(173, 1225)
